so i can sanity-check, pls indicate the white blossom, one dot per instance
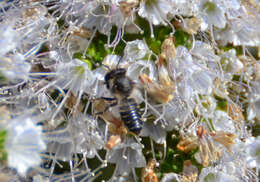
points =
(23, 144)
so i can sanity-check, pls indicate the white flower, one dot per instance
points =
(216, 175)
(9, 39)
(136, 50)
(80, 136)
(202, 82)
(182, 65)
(205, 55)
(195, 76)
(222, 122)
(40, 178)
(104, 18)
(207, 107)
(233, 8)
(240, 31)
(112, 61)
(169, 177)
(23, 144)
(186, 8)
(139, 67)
(176, 112)
(253, 152)
(61, 143)
(253, 110)
(155, 11)
(76, 175)
(212, 13)
(126, 156)
(156, 132)
(230, 62)
(15, 68)
(78, 76)
(245, 31)
(86, 135)
(77, 44)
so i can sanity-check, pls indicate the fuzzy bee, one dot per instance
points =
(121, 87)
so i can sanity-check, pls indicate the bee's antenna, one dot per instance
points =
(120, 59)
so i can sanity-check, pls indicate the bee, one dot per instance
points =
(121, 87)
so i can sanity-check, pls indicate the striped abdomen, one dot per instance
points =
(130, 115)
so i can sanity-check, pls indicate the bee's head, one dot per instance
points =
(112, 75)
(118, 83)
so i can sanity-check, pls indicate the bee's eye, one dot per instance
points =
(107, 77)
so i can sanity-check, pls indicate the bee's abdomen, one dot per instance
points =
(130, 115)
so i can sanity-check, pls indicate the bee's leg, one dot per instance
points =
(107, 107)
(108, 98)
(104, 98)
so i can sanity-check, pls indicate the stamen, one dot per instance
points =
(72, 171)
(151, 28)
(134, 174)
(151, 142)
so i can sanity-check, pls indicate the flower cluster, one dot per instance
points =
(194, 66)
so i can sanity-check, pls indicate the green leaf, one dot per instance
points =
(3, 135)
(155, 45)
(256, 130)
(181, 38)
(3, 155)
(222, 105)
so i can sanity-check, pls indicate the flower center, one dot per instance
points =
(210, 177)
(150, 3)
(79, 70)
(209, 6)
